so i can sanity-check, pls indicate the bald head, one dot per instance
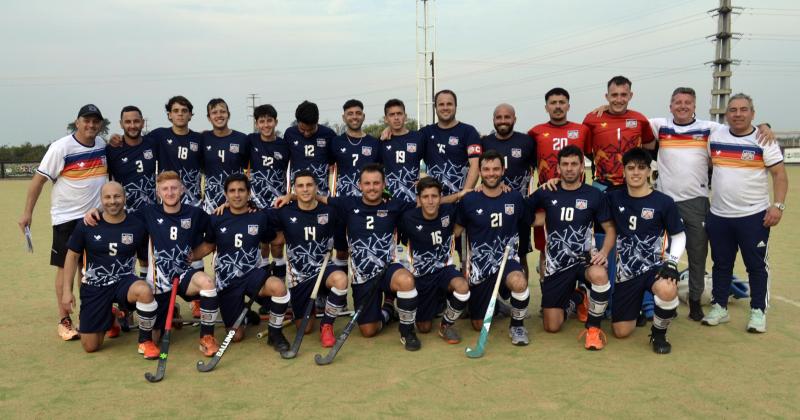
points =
(112, 197)
(506, 108)
(112, 186)
(504, 120)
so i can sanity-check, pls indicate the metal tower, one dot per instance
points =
(721, 89)
(426, 46)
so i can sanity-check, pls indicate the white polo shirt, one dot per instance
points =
(739, 185)
(78, 173)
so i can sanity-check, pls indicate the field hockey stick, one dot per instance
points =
(164, 353)
(328, 358)
(480, 346)
(301, 330)
(208, 367)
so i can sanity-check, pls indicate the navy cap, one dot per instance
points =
(90, 109)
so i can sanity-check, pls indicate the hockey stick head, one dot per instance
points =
(289, 354)
(475, 353)
(154, 378)
(205, 367)
(323, 360)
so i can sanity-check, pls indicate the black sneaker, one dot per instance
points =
(641, 320)
(660, 343)
(278, 341)
(252, 318)
(695, 310)
(411, 341)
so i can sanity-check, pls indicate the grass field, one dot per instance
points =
(712, 372)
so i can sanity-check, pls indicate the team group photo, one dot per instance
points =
(528, 251)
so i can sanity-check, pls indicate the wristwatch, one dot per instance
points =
(779, 206)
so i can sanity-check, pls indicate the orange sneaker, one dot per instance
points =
(115, 329)
(149, 350)
(66, 331)
(583, 307)
(208, 345)
(595, 338)
(326, 335)
(196, 308)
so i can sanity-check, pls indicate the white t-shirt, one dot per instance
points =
(78, 173)
(683, 157)
(739, 186)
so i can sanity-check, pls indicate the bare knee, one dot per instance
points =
(337, 279)
(477, 324)
(424, 327)
(460, 285)
(597, 274)
(402, 281)
(517, 282)
(203, 281)
(369, 330)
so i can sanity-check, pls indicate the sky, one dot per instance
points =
(62, 55)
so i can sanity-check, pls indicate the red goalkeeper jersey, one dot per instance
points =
(612, 136)
(550, 139)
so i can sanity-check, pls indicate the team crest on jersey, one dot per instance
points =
(320, 142)
(580, 204)
(509, 209)
(445, 221)
(383, 213)
(252, 230)
(193, 146)
(453, 141)
(647, 213)
(322, 219)
(517, 153)
(148, 154)
(186, 223)
(572, 134)
(366, 150)
(233, 148)
(127, 238)
(631, 123)
(278, 155)
(411, 148)
(698, 137)
(748, 155)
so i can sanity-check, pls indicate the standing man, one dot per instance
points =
(519, 155)
(429, 229)
(549, 139)
(741, 214)
(310, 145)
(402, 153)
(352, 150)
(308, 227)
(109, 252)
(570, 213)
(225, 152)
(643, 217)
(77, 166)
(269, 158)
(133, 165)
(491, 219)
(237, 236)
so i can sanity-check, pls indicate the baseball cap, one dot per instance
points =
(90, 109)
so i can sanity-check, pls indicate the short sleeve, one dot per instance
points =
(603, 213)
(647, 132)
(772, 154)
(205, 231)
(474, 143)
(274, 219)
(672, 219)
(461, 216)
(267, 231)
(53, 161)
(77, 241)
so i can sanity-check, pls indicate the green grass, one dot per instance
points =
(712, 372)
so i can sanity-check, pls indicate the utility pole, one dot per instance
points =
(426, 46)
(721, 88)
(252, 97)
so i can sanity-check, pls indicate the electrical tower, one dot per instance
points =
(252, 97)
(721, 88)
(426, 46)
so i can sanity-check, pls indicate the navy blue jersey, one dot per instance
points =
(309, 236)
(313, 154)
(135, 168)
(491, 223)
(268, 163)
(222, 157)
(238, 238)
(401, 157)
(350, 156)
(570, 217)
(172, 237)
(447, 153)
(370, 233)
(642, 226)
(430, 241)
(519, 159)
(109, 249)
(182, 154)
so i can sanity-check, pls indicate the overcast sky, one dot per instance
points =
(60, 55)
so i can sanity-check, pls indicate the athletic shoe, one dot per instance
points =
(252, 318)
(196, 308)
(718, 315)
(326, 336)
(115, 330)
(595, 338)
(641, 320)
(411, 342)
(278, 341)
(66, 331)
(583, 307)
(660, 343)
(208, 345)
(695, 310)
(758, 321)
(519, 336)
(149, 350)
(449, 333)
